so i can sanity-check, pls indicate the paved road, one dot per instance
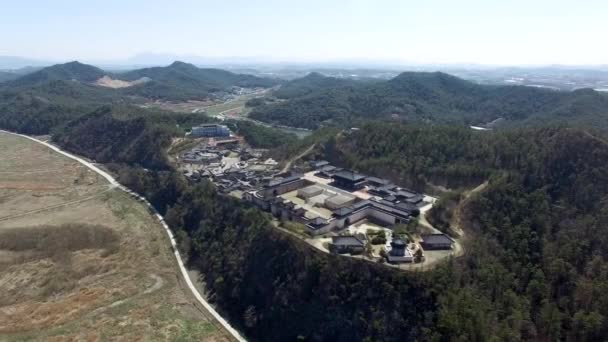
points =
(114, 183)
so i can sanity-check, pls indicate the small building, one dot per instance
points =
(377, 182)
(210, 130)
(339, 201)
(404, 194)
(317, 164)
(416, 200)
(327, 171)
(346, 244)
(349, 180)
(309, 191)
(318, 226)
(399, 252)
(270, 162)
(436, 242)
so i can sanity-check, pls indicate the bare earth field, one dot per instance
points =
(82, 261)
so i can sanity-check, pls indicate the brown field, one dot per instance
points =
(81, 261)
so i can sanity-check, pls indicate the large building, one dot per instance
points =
(349, 180)
(210, 130)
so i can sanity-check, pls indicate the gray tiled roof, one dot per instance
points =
(346, 241)
(436, 239)
(350, 175)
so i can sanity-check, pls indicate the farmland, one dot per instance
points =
(82, 260)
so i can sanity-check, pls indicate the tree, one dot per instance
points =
(418, 255)
(250, 317)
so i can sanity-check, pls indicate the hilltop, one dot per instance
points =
(184, 81)
(310, 83)
(433, 97)
(72, 71)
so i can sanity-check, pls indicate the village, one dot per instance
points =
(336, 210)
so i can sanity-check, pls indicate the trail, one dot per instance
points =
(115, 184)
(587, 133)
(290, 161)
(158, 284)
(456, 223)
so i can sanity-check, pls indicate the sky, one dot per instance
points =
(493, 32)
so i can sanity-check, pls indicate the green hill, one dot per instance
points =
(45, 99)
(310, 83)
(439, 98)
(183, 81)
(7, 76)
(72, 71)
(535, 240)
(39, 108)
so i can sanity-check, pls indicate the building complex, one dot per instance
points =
(326, 201)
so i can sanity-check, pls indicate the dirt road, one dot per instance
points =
(290, 161)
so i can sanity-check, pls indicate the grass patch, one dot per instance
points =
(55, 241)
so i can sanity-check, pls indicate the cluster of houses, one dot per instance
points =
(348, 197)
(398, 251)
(326, 199)
(203, 155)
(231, 167)
(330, 199)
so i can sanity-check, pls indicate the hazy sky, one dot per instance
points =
(409, 31)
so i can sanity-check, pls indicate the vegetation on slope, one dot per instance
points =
(183, 81)
(310, 83)
(72, 71)
(8, 76)
(534, 268)
(261, 136)
(438, 98)
(44, 100)
(125, 134)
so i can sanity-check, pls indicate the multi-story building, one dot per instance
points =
(210, 130)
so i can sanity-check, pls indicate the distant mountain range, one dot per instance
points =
(178, 81)
(46, 98)
(15, 62)
(316, 100)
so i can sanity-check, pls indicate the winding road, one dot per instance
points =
(115, 184)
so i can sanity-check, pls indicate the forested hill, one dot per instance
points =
(535, 267)
(204, 77)
(75, 71)
(7, 76)
(310, 83)
(438, 98)
(182, 81)
(39, 102)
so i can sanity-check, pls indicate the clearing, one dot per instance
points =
(109, 82)
(82, 260)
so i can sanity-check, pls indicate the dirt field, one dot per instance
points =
(109, 82)
(81, 261)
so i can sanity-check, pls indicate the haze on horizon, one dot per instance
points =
(490, 32)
